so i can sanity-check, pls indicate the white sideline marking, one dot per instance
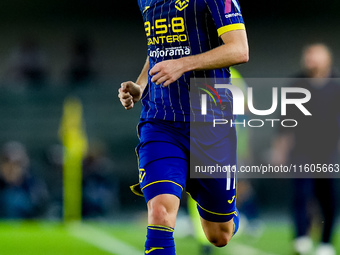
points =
(102, 240)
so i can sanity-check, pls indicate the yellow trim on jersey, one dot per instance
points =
(137, 129)
(146, 8)
(168, 228)
(222, 214)
(162, 181)
(232, 27)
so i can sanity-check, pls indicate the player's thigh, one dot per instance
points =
(162, 169)
(215, 193)
(215, 198)
(162, 181)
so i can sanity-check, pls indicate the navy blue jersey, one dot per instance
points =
(180, 28)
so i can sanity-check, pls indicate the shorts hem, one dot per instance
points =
(156, 188)
(210, 216)
(214, 216)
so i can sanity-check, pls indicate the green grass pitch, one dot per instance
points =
(46, 238)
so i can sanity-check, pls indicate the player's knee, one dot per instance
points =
(158, 212)
(162, 210)
(220, 239)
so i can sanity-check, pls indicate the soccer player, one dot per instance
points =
(186, 39)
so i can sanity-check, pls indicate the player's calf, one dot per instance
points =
(220, 233)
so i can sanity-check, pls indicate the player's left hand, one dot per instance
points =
(167, 72)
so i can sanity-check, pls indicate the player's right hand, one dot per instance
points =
(129, 93)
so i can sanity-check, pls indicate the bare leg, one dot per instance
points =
(218, 233)
(162, 210)
(162, 213)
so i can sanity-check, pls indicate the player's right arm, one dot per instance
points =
(130, 92)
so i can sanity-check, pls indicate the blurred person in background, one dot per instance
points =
(80, 69)
(27, 65)
(21, 195)
(54, 179)
(100, 185)
(313, 141)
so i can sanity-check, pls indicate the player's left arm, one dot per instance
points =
(233, 51)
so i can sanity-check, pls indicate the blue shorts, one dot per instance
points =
(164, 154)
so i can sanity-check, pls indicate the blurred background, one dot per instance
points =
(55, 50)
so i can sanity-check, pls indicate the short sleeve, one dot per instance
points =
(226, 15)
